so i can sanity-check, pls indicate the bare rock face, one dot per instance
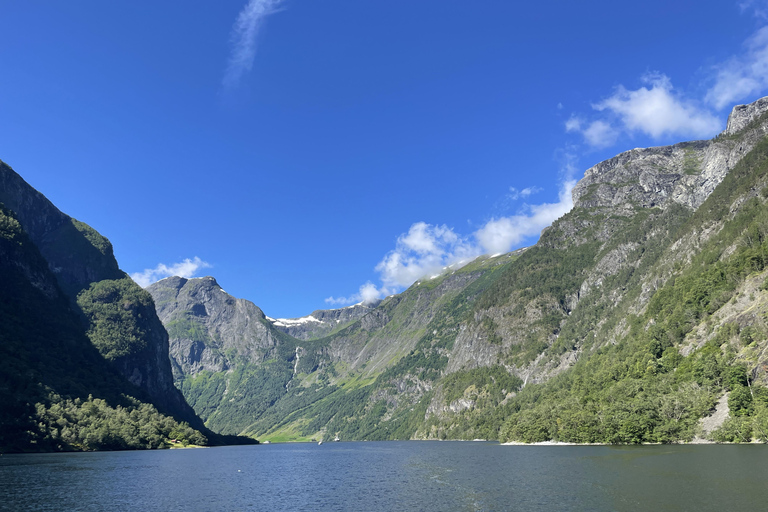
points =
(684, 173)
(742, 115)
(75, 252)
(534, 315)
(209, 328)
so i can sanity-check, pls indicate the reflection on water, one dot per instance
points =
(385, 476)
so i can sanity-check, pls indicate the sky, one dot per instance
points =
(313, 154)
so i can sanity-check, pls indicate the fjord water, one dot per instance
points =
(386, 476)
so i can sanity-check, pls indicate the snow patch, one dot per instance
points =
(293, 322)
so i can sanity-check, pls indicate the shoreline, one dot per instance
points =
(695, 441)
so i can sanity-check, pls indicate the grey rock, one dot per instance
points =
(229, 328)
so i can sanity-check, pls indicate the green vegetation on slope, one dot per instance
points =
(393, 404)
(642, 389)
(113, 309)
(50, 372)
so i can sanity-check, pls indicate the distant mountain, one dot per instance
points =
(323, 321)
(636, 315)
(83, 354)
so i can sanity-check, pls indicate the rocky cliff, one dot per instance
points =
(210, 330)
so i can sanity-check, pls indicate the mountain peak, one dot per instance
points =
(742, 115)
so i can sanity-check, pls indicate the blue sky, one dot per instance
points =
(309, 154)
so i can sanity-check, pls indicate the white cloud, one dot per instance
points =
(573, 124)
(500, 235)
(600, 134)
(186, 268)
(654, 109)
(742, 76)
(529, 191)
(367, 294)
(658, 111)
(514, 194)
(424, 250)
(340, 301)
(244, 33)
(501, 206)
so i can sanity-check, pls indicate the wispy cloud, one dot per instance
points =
(510, 198)
(243, 39)
(742, 76)
(186, 268)
(515, 194)
(759, 8)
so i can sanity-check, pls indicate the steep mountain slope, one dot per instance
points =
(75, 327)
(626, 322)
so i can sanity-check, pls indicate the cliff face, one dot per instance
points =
(684, 174)
(85, 269)
(210, 330)
(57, 390)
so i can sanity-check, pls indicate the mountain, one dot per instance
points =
(84, 356)
(323, 321)
(636, 316)
(243, 374)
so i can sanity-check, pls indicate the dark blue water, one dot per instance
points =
(389, 476)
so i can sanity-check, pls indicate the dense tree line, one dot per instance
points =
(93, 424)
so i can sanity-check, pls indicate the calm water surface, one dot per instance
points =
(391, 476)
